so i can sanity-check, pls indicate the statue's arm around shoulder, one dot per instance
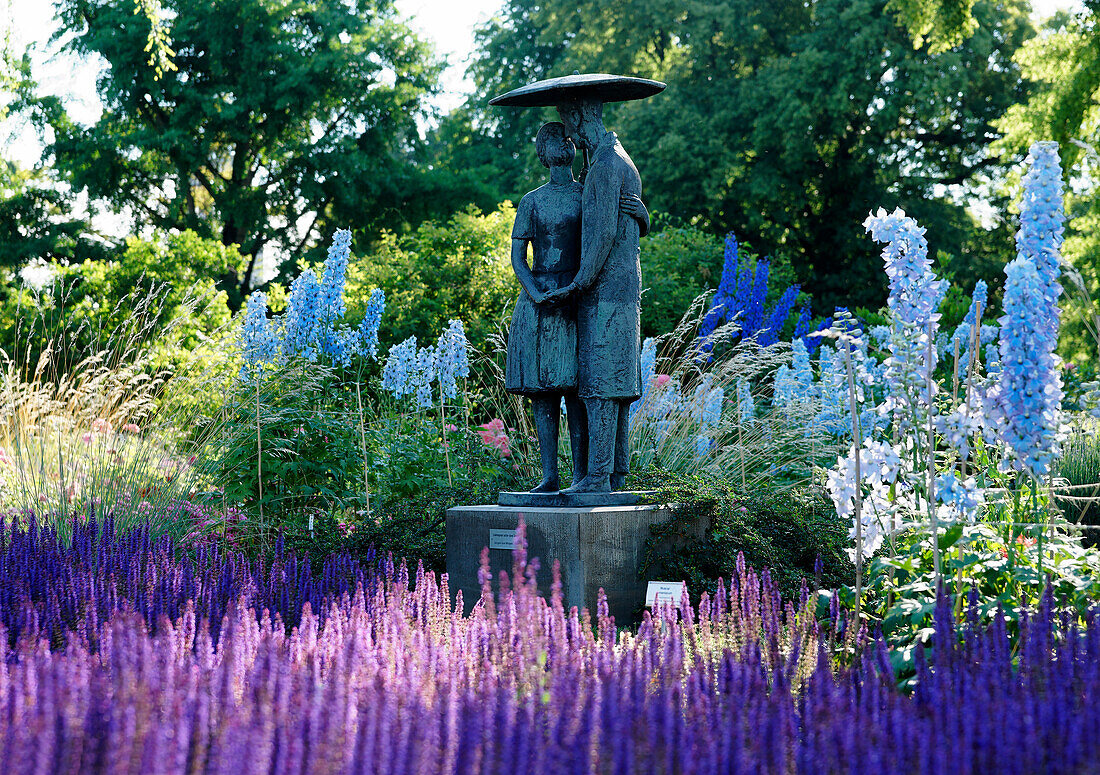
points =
(599, 222)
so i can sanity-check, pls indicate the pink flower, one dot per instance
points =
(450, 428)
(101, 425)
(5, 459)
(87, 437)
(131, 428)
(660, 380)
(492, 435)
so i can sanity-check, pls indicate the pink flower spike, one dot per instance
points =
(100, 425)
(87, 437)
(660, 380)
(131, 428)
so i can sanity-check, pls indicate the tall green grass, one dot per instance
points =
(97, 421)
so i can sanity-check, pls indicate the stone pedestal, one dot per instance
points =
(596, 546)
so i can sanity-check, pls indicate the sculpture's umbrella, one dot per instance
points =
(579, 86)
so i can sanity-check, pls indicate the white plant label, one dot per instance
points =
(664, 592)
(502, 539)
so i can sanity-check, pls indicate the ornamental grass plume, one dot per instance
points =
(391, 678)
(679, 425)
(108, 426)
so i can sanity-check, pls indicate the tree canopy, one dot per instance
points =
(1063, 62)
(279, 117)
(784, 121)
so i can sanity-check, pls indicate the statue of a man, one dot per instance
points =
(608, 288)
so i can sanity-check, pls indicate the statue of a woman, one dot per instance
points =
(542, 341)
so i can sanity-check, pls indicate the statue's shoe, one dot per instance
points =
(591, 484)
(618, 481)
(546, 486)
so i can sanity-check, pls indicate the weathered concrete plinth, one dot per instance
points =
(596, 546)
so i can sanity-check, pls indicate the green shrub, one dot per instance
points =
(458, 269)
(784, 532)
(990, 569)
(678, 263)
(414, 526)
(151, 286)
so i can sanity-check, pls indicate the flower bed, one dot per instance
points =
(390, 678)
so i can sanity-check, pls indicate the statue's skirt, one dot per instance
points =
(542, 342)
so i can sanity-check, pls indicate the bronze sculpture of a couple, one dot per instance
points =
(576, 332)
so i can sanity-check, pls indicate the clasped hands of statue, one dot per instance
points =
(629, 204)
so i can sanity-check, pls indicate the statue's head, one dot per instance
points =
(553, 146)
(583, 121)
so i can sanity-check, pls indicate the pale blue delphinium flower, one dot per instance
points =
(452, 359)
(959, 497)
(372, 321)
(1023, 403)
(1042, 223)
(802, 372)
(257, 339)
(965, 332)
(834, 414)
(331, 300)
(746, 406)
(339, 343)
(425, 373)
(794, 383)
(702, 445)
(992, 359)
(397, 373)
(712, 407)
(915, 296)
(302, 317)
(880, 335)
(783, 388)
(649, 372)
(699, 397)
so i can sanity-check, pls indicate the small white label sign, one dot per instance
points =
(664, 593)
(502, 539)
